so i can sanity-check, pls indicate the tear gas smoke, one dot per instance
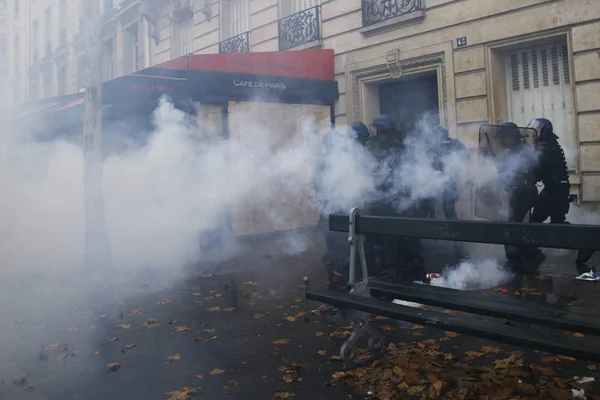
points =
(474, 275)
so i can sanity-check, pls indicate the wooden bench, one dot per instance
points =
(373, 297)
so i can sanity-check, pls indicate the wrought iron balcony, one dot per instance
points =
(236, 44)
(300, 28)
(374, 11)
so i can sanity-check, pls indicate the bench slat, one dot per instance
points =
(469, 325)
(541, 235)
(464, 301)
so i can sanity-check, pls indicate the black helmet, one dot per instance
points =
(510, 130)
(385, 122)
(358, 131)
(442, 132)
(544, 127)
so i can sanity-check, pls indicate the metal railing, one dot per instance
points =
(374, 11)
(300, 28)
(236, 44)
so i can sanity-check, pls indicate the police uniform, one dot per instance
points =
(553, 172)
(522, 192)
(401, 256)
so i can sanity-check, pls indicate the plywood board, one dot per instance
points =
(283, 201)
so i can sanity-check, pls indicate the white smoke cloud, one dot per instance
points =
(474, 275)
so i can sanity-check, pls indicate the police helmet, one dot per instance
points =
(330, 138)
(358, 131)
(510, 130)
(543, 126)
(385, 122)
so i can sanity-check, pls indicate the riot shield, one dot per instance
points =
(500, 167)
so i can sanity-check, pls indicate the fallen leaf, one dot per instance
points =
(183, 393)
(291, 374)
(380, 318)
(112, 339)
(321, 334)
(550, 359)
(592, 367)
(257, 316)
(577, 334)
(474, 354)
(217, 371)
(130, 346)
(322, 352)
(490, 349)
(283, 395)
(297, 299)
(449, 312)
(136, 312)
(417, 327)
(387, 328)
(199, 376)
(205, 340)
(290, 319)
(417, 334)
(415, 390)
(213, 309)
(229, 309)
(272, 292)
(340, 334)
(124, 326)
(206, 276)
(282, 341)
(336, 358)
(163, 302)
(113, 367)
(195, 288)
(176, 357)
(207, 330)
(20, 379)
(181, 329)
(451, 334)
(150, 323)
(253, 283)
(566, 358)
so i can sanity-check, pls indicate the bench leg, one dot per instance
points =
(361, 328)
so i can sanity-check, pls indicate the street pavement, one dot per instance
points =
(239, 329)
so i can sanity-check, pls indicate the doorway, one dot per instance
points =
(410, 101)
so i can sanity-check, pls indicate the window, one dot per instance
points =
(61, 80)
(236, 16)
(17, 56)
(48, 31)
(289, 7)
(183, 37)
(108, 59)
(34, 40)
(131, 55)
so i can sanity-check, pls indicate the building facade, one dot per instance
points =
(461, 62)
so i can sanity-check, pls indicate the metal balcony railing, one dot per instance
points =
(374, 11)
(236, 44)
(300, 28)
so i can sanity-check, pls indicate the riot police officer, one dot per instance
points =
(521, 190)
(359, 132)
(402, 256)
(552, 171)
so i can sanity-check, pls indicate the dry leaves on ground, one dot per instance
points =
(425, 372)
(217, 371)
(258, 316)
(253, 283)
(176, 357)
(290, 319)
(201, 339)
(282, 394)
(124, 326)
(113, 367)
(206, 276)
(183, 393)
(291, 374)
(163, 302)
(282, 341)
(181, 329)
(322, 352)
(151, 323)
(136, 312)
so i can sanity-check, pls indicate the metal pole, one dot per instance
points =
(97, 245)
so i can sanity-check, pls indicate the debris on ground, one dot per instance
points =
(424, 371)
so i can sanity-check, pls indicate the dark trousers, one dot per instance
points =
(553, 202)
(520, 202)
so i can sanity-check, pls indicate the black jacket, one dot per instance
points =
(445, 148)
(552, 166)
